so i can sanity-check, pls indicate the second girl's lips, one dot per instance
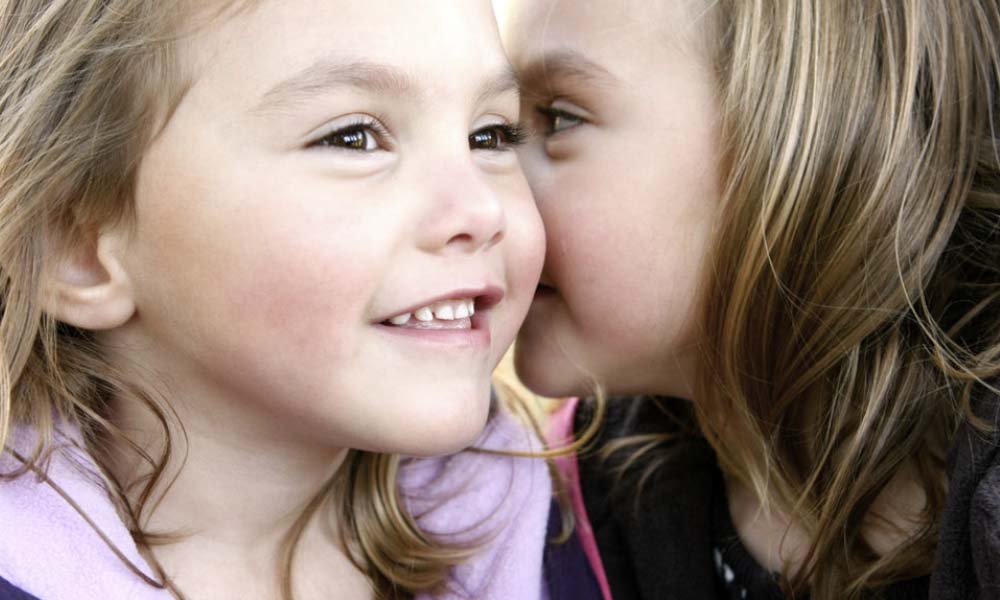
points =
(545, 288)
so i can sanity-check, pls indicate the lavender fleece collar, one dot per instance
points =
(48, 550)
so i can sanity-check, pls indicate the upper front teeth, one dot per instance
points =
(446, 310)
(400, 319)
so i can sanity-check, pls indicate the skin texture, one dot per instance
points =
(252, 289)
(627, 188)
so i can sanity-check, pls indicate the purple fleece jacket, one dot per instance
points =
(49, 551)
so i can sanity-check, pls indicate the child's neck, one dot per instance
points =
(780, 546)
(232, 505)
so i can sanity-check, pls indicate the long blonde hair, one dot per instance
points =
(852, 305)
(84, 87)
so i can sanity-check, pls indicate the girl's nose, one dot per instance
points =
(466, 215)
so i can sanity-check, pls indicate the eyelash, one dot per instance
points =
(511, 136)
(363, 126)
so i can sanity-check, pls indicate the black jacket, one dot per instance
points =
(656, 539)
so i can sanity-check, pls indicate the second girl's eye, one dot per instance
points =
(495, 137)
(558, 119)
(357, 137)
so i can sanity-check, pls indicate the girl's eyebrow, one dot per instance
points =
(326, 74)
(502, 82)
(566, 63)
(376, 78)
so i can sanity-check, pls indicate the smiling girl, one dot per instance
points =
(250, 253)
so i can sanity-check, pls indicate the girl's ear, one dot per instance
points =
(87, 286)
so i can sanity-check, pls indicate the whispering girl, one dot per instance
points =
(773, 232)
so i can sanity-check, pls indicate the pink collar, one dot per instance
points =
(560, 433)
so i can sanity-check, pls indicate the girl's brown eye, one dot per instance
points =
(487, 139)
(495, 137)
(357, 138)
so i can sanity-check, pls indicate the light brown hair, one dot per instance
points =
(852, 305)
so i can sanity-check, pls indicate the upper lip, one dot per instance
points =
(486, 296)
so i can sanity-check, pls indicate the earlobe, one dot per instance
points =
(88, 287)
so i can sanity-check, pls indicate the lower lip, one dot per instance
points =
(477, 337)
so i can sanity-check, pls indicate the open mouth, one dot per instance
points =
(445, 314)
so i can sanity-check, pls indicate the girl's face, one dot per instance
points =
(335, 166)
(625, 176)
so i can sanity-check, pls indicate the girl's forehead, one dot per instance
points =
(623, 25)
(603, 46)
(422, 43)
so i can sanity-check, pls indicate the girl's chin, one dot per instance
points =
(444, 425)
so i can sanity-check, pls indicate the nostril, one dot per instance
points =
(462, 238)
(468, 239)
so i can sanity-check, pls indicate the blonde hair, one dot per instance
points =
(86, 85)
(852, 305)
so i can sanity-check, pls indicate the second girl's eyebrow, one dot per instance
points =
(565, 63)
(376, 78)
